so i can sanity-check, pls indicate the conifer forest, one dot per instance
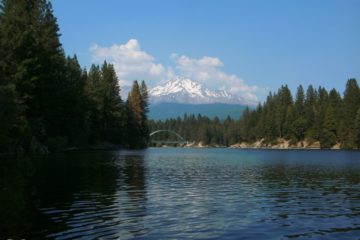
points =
(48, 101)
(312, 115)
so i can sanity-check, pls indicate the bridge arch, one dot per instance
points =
(169, 131)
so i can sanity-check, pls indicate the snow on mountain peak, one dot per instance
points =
(184, 90)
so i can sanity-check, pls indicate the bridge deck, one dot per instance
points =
(180, 141)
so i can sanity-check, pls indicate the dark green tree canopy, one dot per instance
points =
(48, 99)
(317, 115)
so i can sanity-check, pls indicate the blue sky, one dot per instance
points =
(247, 47)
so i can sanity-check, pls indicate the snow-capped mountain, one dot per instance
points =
(184, 90)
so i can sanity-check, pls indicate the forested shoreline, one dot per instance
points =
(317, 115)
(48, 101)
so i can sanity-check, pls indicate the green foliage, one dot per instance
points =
(351, 104)
(201, 129)
(111, 103)
(108, 118)
(144, 98)
(47, 99)
(357, 131)
(299, 128)
(329, 132)
(9, 111)
(136, 111)
(318, 115)
(310, 111)
(145, 110)
(282, 111)
(299, 102)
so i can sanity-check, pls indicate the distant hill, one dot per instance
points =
(164, 111)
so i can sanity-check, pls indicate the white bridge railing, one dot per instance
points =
(181, 139)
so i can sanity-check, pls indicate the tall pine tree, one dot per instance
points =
(328, 136)
(134, 114)
(351, 104)
(32, 60)
(112, 112)
(310, 111)
(357, 130)
(145, 110)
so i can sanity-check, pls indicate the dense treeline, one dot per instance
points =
(313, 115)
(199, 129)
(48, 100)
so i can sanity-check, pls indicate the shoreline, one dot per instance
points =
(281, 144)
(258, 148)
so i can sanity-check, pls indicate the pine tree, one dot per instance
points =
(47, 98)
(51, 85)
(329, 132)
(259, 124)
(145, 110)
(135, 113)
(93, 102)
(335, 101)
(113, 112)
(32, 59)
(10, 123)
(244, 125)
(289, 119)
(136, 103)
(299, 128)
(357, 131)
(74, 103)
(270, 130)
(18, 53)
(351, 104)
(310, 111)
(144, 97)
(9, 107)
(284, 100)
(321, 106)
(106, 114)
(299, 102)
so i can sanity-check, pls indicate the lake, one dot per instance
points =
(176, 193)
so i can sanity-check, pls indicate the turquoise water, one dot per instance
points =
(175, 193)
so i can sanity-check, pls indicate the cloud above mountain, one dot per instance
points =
(131, 62)
(208, 70)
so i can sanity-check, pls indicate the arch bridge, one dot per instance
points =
(180, 140)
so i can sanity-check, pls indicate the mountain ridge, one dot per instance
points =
(185, 90)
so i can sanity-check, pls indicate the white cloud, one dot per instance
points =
(208, 70)
(130, 62)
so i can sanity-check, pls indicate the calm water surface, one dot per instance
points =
(173, 193)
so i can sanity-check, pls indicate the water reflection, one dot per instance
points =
(183, 193)
(18, 198)
(80, 194)
(131, 195)
(325, 200)
(94, 194)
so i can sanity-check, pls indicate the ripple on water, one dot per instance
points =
(211, 194)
